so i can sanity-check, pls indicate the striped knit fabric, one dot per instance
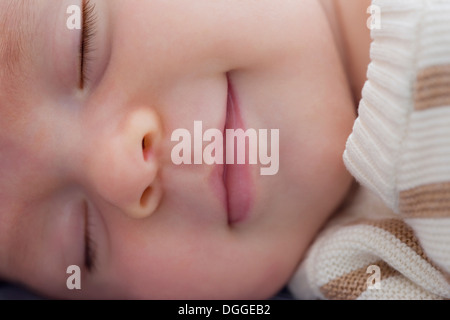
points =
(399, 152)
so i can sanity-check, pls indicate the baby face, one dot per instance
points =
(87, 176)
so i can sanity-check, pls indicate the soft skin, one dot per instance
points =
(159, 230)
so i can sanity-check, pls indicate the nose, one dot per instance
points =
(124, 164)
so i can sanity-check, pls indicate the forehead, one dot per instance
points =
(13, 32)
(17, 22)
(18, 30)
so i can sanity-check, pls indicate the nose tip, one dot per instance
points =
(147, 124)
(125, 164)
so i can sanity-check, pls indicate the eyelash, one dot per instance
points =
(89, 244)
(88, 32)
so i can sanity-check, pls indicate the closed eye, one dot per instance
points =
(88, 32)
(89, 244)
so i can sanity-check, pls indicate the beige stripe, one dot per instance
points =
(402, 232)
(351, 285)
(429, 201)
(429, 74)
(432, 87)
(433, 92)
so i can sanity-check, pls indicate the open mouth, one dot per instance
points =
(236, 177)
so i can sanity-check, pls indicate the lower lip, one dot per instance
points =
(236, 177)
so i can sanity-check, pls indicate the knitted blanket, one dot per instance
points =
(393, 240)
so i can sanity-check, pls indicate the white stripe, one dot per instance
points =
(434, 40)
(426, 155)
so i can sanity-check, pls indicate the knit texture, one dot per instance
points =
(399, 152)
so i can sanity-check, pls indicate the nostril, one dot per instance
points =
(146, 196)
(147, 146)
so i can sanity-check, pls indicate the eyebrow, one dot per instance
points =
(16, 35)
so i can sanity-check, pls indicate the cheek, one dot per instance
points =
(326, 175)
(152, 258)
(175, 261)
(316, 160)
